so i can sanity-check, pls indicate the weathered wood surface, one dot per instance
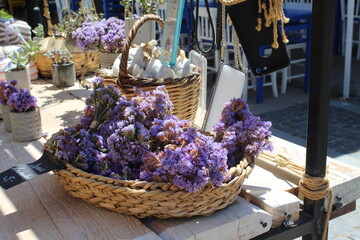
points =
(271, 193)
(344, 179)
(241, 220)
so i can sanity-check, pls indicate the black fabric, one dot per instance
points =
(244, 18)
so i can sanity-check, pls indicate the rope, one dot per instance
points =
(316, 188)
(313, 188)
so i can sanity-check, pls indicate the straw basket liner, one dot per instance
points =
(43, 63)
(184, 92)
(158, 199)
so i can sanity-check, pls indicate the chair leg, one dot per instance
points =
(274, 84)
(284, 80)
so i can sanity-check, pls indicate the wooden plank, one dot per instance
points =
(269, 192)
(22, 216)
(344, 179)
(241, 220)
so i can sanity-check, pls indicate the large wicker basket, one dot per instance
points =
(184, 92)
(91, 59)
(158, 199)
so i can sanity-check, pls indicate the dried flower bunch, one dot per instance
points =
(6, 90)
(140, 139)
(59, 57)
(19, 100)
(107, 36)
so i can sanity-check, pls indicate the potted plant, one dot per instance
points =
(147, 32)
(21, 60)
(63, 70)
(106, 36)
(39, 33)
(24, 116)
(21, 70)
(6, 90)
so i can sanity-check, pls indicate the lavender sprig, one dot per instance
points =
(242, 134)
(22, 101)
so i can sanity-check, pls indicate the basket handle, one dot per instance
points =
(131, 37)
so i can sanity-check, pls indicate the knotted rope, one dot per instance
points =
(316, 188)
(313, 188)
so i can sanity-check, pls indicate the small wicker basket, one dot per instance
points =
(158, 199)
(184, 92)
(91, 59)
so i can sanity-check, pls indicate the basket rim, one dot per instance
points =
(155, 186)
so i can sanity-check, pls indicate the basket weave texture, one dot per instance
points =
(184, 92)
(158, 199)
(44, 63)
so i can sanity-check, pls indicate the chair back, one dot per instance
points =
(298, 4)
(343, 9)
(204, 31)
(161, 10)
(60, 5)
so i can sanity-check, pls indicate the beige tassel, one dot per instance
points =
(272, 13)
(259, 20)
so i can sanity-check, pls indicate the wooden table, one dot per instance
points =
(40, 209)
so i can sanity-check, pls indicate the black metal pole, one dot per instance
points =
(323, 17)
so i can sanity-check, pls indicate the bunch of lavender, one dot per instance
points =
(149, 106)
(184, 156)
(6, 90)
(127, 145)
(100, 105)
(130, 125)
(242, 134)
(82, 149)
(106, 35)
(22, 101)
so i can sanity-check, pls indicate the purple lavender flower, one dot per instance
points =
(6, 90)
(105, 35)
(22, 101)
(243, 134)
(182, 155)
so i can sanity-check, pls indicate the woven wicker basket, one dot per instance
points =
(43, 63)
(158, 199)
(184, 92)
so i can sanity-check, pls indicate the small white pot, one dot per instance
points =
(6, 118)
(22, 77)
(26, 126)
